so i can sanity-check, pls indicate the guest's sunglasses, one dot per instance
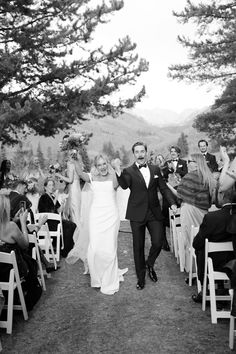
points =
(191, 161)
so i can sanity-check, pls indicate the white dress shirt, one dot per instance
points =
(146, 173)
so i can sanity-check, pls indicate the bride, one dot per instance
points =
(103, 226)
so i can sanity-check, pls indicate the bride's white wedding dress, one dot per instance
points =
(97, 241)
(103, 235)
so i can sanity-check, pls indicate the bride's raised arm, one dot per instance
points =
(79, 170)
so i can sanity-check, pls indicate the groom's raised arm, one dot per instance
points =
(123, 177)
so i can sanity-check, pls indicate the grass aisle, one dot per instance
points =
(71, 317)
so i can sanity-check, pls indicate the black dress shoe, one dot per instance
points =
(152, 274)
(197, 298)
(140, 285)
(166, 247)
(52, 269)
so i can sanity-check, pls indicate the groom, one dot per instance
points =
(143, 209)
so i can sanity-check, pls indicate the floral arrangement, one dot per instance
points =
(75, 141)
(55, 168)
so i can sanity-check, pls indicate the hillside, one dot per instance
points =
(124, 130)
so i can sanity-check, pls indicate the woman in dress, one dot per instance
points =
(74, 197)
(103, 227)
(196, 190)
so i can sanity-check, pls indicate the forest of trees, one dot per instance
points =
(212, 59)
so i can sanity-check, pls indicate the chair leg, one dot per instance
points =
(10, 305)
(212, 299)
(231, 332)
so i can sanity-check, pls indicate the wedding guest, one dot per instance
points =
(6, 177)
(35, 171)
(12, 238)
(214, 227)
(74, 197)
(18, 198)
(48, 202)
(173, 170)
(33, 194)
(175, 166)
(210, 159)
(144, 209)
(228, 176)
(195, 190)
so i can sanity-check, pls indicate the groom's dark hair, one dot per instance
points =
(138, 144)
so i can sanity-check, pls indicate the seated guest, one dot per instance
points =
(48, 203)
(13, 239)
(17, 197)
(214, 227)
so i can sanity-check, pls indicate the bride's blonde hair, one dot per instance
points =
(94, 170)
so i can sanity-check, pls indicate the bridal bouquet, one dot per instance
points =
(75, 141)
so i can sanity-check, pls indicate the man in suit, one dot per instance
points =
(143, 209)
(215, 228)
(173, 170)
(210, 159)
(175, 164)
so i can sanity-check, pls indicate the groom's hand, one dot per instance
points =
(174, 208)
(116, 165)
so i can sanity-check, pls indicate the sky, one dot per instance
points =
(151, 25)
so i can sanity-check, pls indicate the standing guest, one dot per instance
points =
(33, 194)
(104, 222)
(195, 191)
(48, 203)
(175, 166)
(74, 197)
(35, 171)
(173, 170)
(144, 209)
(214, 227)
(228, 173)
(210, 159)
(6, 177)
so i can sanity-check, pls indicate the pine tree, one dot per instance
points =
(20, 160)
(182, 143)
(51, 72)
(125, 156)
(40, 156)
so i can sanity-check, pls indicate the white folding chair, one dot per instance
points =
(174, 222)
(212, 276)
(192, 260)
(36, 255)
(58, 234)
(45, 244)
(232, 331)
(10, 286)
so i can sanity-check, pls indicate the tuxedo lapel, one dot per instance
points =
(151, 169)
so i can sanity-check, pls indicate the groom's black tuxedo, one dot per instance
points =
(143, 210)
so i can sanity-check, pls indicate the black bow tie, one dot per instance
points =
(175, 160)
(143, 165)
